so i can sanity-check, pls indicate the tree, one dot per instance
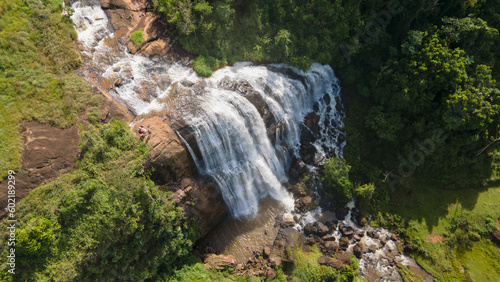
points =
(336, 178)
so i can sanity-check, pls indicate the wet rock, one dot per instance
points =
(341, 212)
(394, 237)
(356, 238)
(168, 151)
(344, 243)
(346, 230)
(187, 133)
(220, 262)
(288, 221)
(322, 229)
(383, 241)
(339, 107)
(303, 204)
(297, 168)
(310, 229)
(331, 247)
(328, 238)
(307, 152)
(358, 250)
(331, 224)
(311, 121)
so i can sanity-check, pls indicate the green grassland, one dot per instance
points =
(459, 221)
(37, 60)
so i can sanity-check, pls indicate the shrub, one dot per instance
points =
(337, 178)
(204, 65)
(137, 38)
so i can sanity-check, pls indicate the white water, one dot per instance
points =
(231, 134)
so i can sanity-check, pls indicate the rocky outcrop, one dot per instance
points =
(173, 165)
(128, 16)
(169, 156)
(47, 153)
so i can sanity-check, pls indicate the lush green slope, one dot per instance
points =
(105, 214)
(37, 57)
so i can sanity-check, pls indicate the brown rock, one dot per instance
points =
(168, 151)
(344, 243)
(358, 250)
(275, 261)
(344, 257)
(220, 262)
(306, 201)
(267, 251)
(322, 229)
(331, 247)
(329, 237)
(325, 260)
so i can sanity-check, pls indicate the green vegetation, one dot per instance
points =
(307, 268)
(204, 65)
(298, 33)
(337, 179)
(198, 273)
(104, 214)
(37, 57)
(137, 39)
(449, 230)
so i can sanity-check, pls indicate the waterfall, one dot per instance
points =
(247, 119)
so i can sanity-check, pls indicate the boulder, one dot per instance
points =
(310, 229)
(322, 229)
(297, 168)
(358, 250)
(346, 230)
(331, 247)
(328, 238)
(335, 263)
(344, 243)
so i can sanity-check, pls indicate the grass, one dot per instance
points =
(453, 218)
(37, 57)
(137, 38)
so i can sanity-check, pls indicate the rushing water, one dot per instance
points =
(230, 131)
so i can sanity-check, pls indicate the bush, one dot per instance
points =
(337, 178)
(137, 38)
(204, 65)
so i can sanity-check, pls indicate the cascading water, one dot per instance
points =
(230, 130)
(247, 121)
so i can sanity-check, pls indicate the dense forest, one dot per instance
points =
(421, 81)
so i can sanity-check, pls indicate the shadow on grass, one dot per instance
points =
(428, 202)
